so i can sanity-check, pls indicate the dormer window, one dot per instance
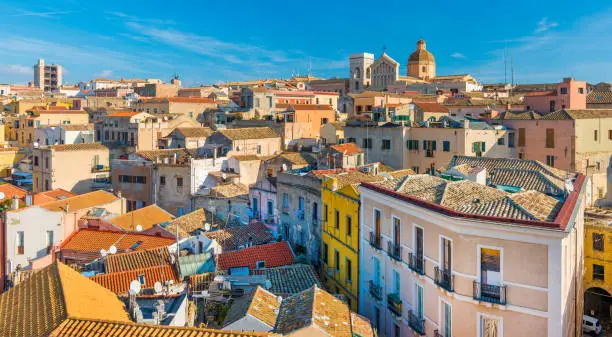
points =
(260, 264)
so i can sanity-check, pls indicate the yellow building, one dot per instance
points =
(598, 262)
(9, 156)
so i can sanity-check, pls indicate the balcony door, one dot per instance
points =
(255, 207)
(418, 242)
(446, 251)
(490, 266)
(396, 232)
(376, 271)
(377, 223)
(419, 289)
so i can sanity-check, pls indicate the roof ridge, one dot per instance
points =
(520, 207)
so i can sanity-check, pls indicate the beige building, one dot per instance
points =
(190, 106)
(332, 133)
(246, 141)
(47, 77)
(78, 168)
(29, 122)
(454, 257)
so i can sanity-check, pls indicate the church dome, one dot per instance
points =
(421, 54)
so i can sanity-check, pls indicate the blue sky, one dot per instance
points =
(207, 42)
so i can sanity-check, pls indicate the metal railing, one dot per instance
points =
(394, 304)
(416, 323)
(375, 290)
(375, 240)
(444, 278)
(394, 250)
(416, 263)
(490, 293)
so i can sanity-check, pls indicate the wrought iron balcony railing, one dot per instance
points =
(375, 240)
(416, 323)
(394, 250)
(375, 290)
(394, 302)
(444, 278)
(416, 263)
(490, 293)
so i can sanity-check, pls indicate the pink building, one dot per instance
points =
(569, 94)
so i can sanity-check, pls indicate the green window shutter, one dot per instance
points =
(433, 145)
(409, 144)
(475, 147)
(483, 146)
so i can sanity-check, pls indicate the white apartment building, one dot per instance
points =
(454, 257)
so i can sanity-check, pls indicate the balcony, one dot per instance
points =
(416, 263)
(375, 290)
(375, 240)
(394, 250)
(416, 323)
(100, 168)
(490, 293)
(444, 278)
(300, 214)
(394, 303)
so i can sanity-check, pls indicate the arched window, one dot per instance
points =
(357, 73)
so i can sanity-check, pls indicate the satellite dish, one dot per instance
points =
(103, 252)
(284, 167)
(158, 287)
(268, 284)
(139, 228)
(2, 195)
(224, 175)
(207, 227)
(135, 287)
(113, 249)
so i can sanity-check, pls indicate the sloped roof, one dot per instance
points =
(10, 190)
(79, 147)
(81, 201)
(36, 306)
(50, 196)
(232, 238)
(274, 255)
(229, 190)
(89, 240)
(574, 114)
(494, 163)
(249, 133)
(298, 158)
(599, 97)
(431, 107)
(315, 308)
(197, 132)
(188, 223)
(518, 115)
(97, 328)
(124, 114)
(347, 148)
(119, 282)
(145, 217)
(136, 260)
(290, 279)
(260, 304)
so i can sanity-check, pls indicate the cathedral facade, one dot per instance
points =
(369, 74)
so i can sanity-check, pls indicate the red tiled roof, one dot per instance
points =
(179, 100)
(119, 283)
(431, 107)
(49, 196)
(274, 254)
(11, 190)
(347, 148)
(89, 240)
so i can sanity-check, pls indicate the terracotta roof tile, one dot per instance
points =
(119, 282)
(50, 196)
(79, 147)
(249, 133)
(233, 238)
(347, 148)
(81, 201)
(599, 97)
(88, 240)
(361, 326)
(123, 114)
(179, 100)
(541, 93)
(188, 223)
(136, 260)
(229, 190)
(97, 328)
(36, 306)
(574, 114)
(10, 190)
(274, 255)
(260, 304)
(431, 107)
(197, 132)
(145, 217)
(291, 279)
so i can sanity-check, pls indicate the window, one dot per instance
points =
(478, 148)
(396, 330)
(367, 143)
(446, 326)
(511, 139)
(447, 253)
(359, 160)
(446, 146)
(351, 140)
(35, 160)
(501, 141)
(412, 144)
(423, 69)
(162, 180)
(581, 90)
(47, 185)
(260, 264)
(349, 271)
(429, 145)
(46, 162)
(598, 242)
(415, 169)
(595, 135)
(258, 149)
(325, 210)
(257, 102)
(349, 226)
(141, 180)
(337, 260)
(325, 253)
(598, 272)
(301, 203)
(521, 155)
(386, 144)
(20, 243)
(285, 201)
(609, 134)
(49, 241)
(550, 138)
(521, 137)
(141, 279)
(397, 281)
(179, 181)
(377, 222)
(337, 219)
(269, 99)
(563, 91)
(550, 161)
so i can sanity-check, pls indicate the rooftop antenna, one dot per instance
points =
(512, 68)
(505, 65)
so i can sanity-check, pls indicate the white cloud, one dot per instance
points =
(126, 17)
(457, 55)
(544, 25)
(42, 14)
(104, 73)
(15, 69)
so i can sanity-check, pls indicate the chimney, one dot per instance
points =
(15, 203)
